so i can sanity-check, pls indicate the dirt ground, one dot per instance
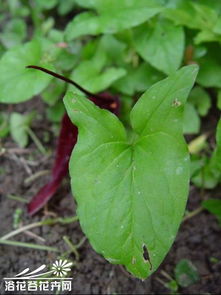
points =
(199, 238)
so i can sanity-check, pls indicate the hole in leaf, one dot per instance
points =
(146, 256)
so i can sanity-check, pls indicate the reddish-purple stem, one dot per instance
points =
(66, 142)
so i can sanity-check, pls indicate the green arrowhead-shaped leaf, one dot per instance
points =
(131, 190)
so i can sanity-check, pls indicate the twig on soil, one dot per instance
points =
(48, 212)
(28, 245)
(37, 141)
(33, 235)
(17, 198)
(37, 224)
(18, 151)
(166, 275)
(35, 176)
(193, 213)
(20, 230)
(161, 281)
(20, 161)
(26, 165)
(82, 241)
(72, 247)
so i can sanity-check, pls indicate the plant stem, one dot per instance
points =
(72, 247)
(17, 198)
(166, 275)
(81, 242)
(28, 245)
(193, 213)
(67, 80)
(40, 223)
(36, 175)
(36, 141)
(20, 230)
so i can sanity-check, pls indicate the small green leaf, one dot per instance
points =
(172, 285)
(214, 260)
(210, 68)
(197, 144)
(214, 207)
(53, 92)
(112, 16)
(65, 7)
(162, 45)
(49, 4)
(4, 129)
(19, 124)
(14, 33)
(196, 164)
(89, 74)
(193, 15)
(56, 112)
(206, 36)
(201, 100)
(191, 120)
(219, 100)
(210, 174)
(131, 190)
(113, 48)
(138, 79)
(16, 8)
(186, 273)
(17, 83)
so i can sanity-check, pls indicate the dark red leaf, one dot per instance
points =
(66, 141)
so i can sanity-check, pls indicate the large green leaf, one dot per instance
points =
(162, 45)
(131, 190)
(17, 83)
(112, 16)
